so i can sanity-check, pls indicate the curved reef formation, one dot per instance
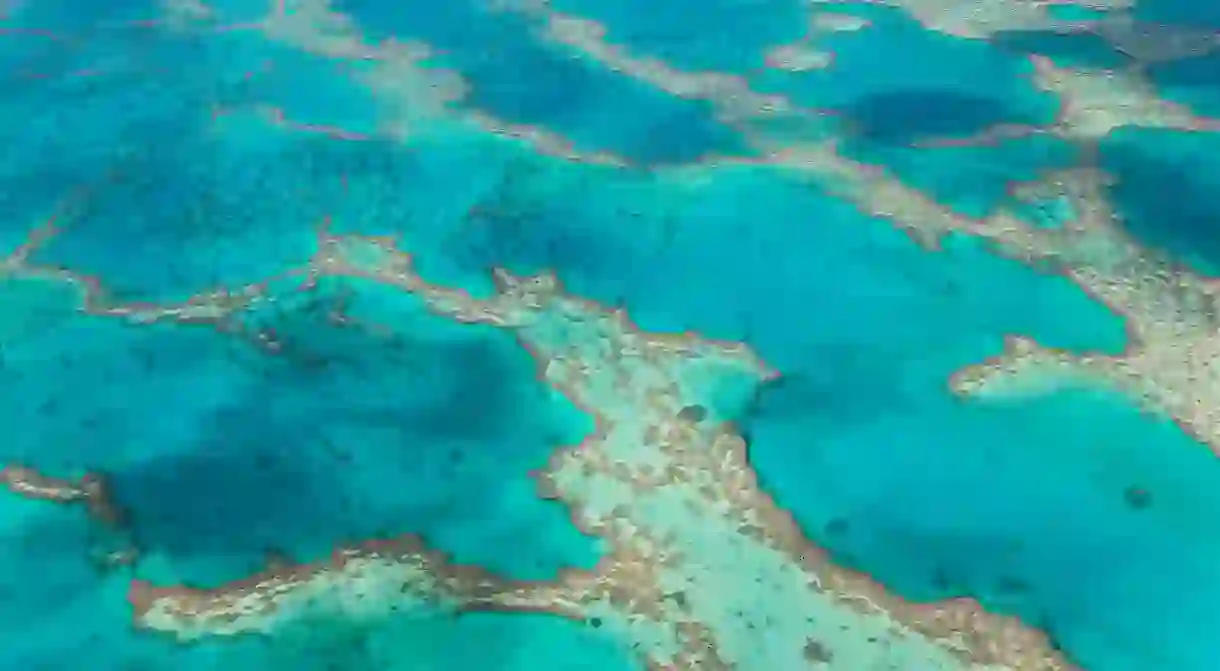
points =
(1169, 365)
(703, 568)
(1093, 103)
(90, 490)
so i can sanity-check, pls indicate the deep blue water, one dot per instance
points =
(1164, 179)
(178, 158)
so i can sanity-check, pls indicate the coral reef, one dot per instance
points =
(694, 542)
(90, 490)
(703, 568)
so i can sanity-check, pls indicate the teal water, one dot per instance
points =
(1164, 178)
(972, 180)
(524, 80)
(946, 86)
(178, 155)
(722, 36)
(70, 615)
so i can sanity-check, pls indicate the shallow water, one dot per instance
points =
(199, 309)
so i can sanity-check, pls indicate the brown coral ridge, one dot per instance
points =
(981, 636)
(1093, 103)
(1171, 362)
(31, 484)
(91, 490)
(368, 580)
(215, 307)
(256, 594)
(977, 636)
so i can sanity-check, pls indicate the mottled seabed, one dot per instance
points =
(510, 334)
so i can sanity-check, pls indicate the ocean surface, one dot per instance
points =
(578, 335)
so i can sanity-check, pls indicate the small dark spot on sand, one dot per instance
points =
(837, 527)
(1044, 621)
(276, 559)
(940, 579)
(846, 559)
(1137, 498)
(1011, 585)
(693, 414)
(595, 622)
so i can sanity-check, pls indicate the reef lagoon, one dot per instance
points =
(755, 335)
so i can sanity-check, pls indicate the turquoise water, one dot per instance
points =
(523, 80)
(1168, 210)
(183, 148)
(722, 36)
